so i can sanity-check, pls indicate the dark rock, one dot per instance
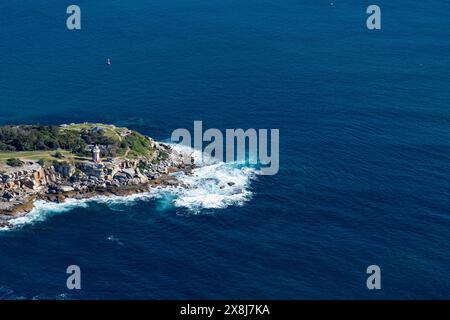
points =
(7, 195)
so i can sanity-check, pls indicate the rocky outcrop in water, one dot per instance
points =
(20, 187)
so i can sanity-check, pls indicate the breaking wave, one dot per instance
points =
(44, 209)
(213, 185)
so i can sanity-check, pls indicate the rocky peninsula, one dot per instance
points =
(53, 163)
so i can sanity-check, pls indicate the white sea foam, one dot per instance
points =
(214, 185)
(43, 209)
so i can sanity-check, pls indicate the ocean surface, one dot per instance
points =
(364, 119)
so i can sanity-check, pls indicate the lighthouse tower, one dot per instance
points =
(96, 154)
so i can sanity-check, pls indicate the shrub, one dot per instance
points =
(58, 155)
(14, 162)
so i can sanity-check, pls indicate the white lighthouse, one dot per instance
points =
(96, 154)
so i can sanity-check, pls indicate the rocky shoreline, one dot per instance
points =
(21, 187)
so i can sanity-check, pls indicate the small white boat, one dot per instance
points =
(108, 62)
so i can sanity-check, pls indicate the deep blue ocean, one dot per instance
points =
(364, 119)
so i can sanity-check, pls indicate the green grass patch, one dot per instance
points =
(46, 155)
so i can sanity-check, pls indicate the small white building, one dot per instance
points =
(96, 154)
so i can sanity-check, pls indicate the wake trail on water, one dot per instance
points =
(212, 185)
